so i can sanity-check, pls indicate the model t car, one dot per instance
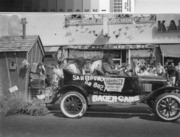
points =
(82, 91)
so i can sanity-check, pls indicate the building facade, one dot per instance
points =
(130, 38)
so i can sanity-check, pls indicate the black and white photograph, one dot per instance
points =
(88, 74)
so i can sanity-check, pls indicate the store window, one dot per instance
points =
(119, 56)
(141, 57)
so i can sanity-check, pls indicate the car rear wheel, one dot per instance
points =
(167, 107)
(73, 104)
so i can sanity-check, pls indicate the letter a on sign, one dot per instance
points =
(172, 26)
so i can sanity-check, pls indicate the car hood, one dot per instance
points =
(152, 78)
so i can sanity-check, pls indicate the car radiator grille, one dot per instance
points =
(146, 87)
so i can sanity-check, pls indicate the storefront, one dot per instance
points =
(170, 53)
(90, 35)
(122, 54)
(125, 37)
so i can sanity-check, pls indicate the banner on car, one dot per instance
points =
(114, 99)
(101, 83)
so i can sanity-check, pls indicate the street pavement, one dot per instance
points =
(97, 122)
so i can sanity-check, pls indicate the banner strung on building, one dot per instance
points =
(85, 20)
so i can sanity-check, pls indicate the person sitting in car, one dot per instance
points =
(144, 72)
(160, 70)
(95, 66)
(78, 66)
(108, 65)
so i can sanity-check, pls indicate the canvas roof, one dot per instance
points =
(171, 50)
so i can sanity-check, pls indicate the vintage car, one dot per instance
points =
(82, 91)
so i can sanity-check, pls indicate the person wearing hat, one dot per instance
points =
(108, 65)
(160, 70)
(78, 66)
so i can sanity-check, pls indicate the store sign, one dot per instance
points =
(114, 99)
(73, 21)
(127, 20)
(171, 27)
(90, 21)
(121, 46)
(145, 19)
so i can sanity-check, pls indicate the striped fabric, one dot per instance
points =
(117, 6)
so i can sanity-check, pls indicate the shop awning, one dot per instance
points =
(171, 50)
(51, 48)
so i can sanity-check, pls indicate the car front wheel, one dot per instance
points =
(167, 107)
(73, 105)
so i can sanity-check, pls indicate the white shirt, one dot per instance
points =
(95, 65)
(74, 69)
(58, 72)
(145, 73)
(160, 69)
(137, 69)
(178, 68)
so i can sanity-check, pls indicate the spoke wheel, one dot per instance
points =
(73, 105)
(167, 107)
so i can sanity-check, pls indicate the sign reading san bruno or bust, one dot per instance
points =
(101, 83)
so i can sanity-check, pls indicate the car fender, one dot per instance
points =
(70, 87)
(159, 91)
